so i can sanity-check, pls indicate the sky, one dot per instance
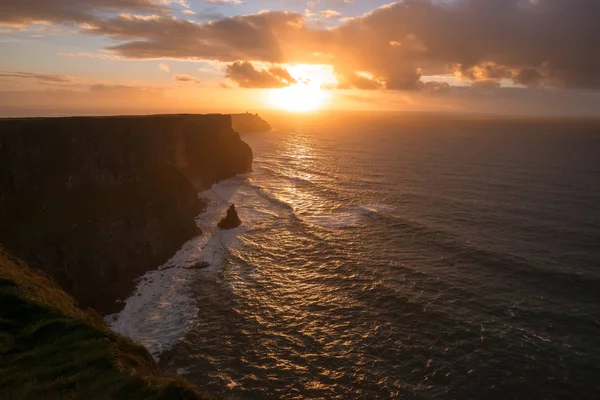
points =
(511, 57)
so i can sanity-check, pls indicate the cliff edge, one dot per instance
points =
(50, 349)
(97, 202)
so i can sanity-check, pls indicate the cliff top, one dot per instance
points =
(242, 123)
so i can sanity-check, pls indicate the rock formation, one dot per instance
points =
(96, 202)
(249, 123)
(231, 220)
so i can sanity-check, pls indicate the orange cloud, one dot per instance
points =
(247, 76)
(542, 43)
(185, 78)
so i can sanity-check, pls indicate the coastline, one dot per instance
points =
(161, 308)
(119, 196)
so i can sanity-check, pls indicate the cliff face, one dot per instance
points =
(96, 202)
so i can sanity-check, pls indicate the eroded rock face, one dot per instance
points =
(231, 220)
(97, 202)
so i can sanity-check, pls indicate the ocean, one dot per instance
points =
(426, 257)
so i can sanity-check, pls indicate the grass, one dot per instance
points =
(51, 349)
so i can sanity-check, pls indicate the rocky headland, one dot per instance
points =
(97, 202)
(87, 205)
(249, 123)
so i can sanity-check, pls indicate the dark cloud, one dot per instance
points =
(255, 37)
(247, 76)
(436, 87)
(485, 85)
(549, 42)
(533, 43)
(528, 77)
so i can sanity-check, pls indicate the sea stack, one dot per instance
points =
(231, 220)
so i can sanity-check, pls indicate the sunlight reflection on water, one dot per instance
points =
(405, 265)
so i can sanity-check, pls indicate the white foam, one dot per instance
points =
(162, 308)
(346, 218)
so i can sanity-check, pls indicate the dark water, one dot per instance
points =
(406, 259)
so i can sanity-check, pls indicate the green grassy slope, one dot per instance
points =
(51, 349)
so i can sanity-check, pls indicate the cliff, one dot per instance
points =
(249, 123)
(96, 202)
(50, 349)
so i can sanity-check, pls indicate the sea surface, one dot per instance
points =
(381, 258)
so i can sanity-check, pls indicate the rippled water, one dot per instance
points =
(390, 259)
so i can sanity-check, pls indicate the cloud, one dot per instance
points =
(247, 76)
(19, 12)
(548, 42)
(224, 1)
(90, 55)
(330, 14)
(485, 85)
(189, 12)
(185, 78)
(255, 36)
(47, 78)
(121, 89)
(531, 43)
(210, 16)
(164, 67)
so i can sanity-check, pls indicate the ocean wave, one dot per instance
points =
(374, 211)
(346, 217)
(300, 181)
(267, 195)
(308, 179)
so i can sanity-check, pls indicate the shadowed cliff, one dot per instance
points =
(96, 202)
(249, 123)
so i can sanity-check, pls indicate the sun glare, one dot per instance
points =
(298, 98)
(306, 95)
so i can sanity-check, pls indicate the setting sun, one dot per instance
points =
(298, 98)
(306, 94)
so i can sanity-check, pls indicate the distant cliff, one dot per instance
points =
(96, 202)
(249, 123)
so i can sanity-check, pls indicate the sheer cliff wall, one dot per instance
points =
(96, 202)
